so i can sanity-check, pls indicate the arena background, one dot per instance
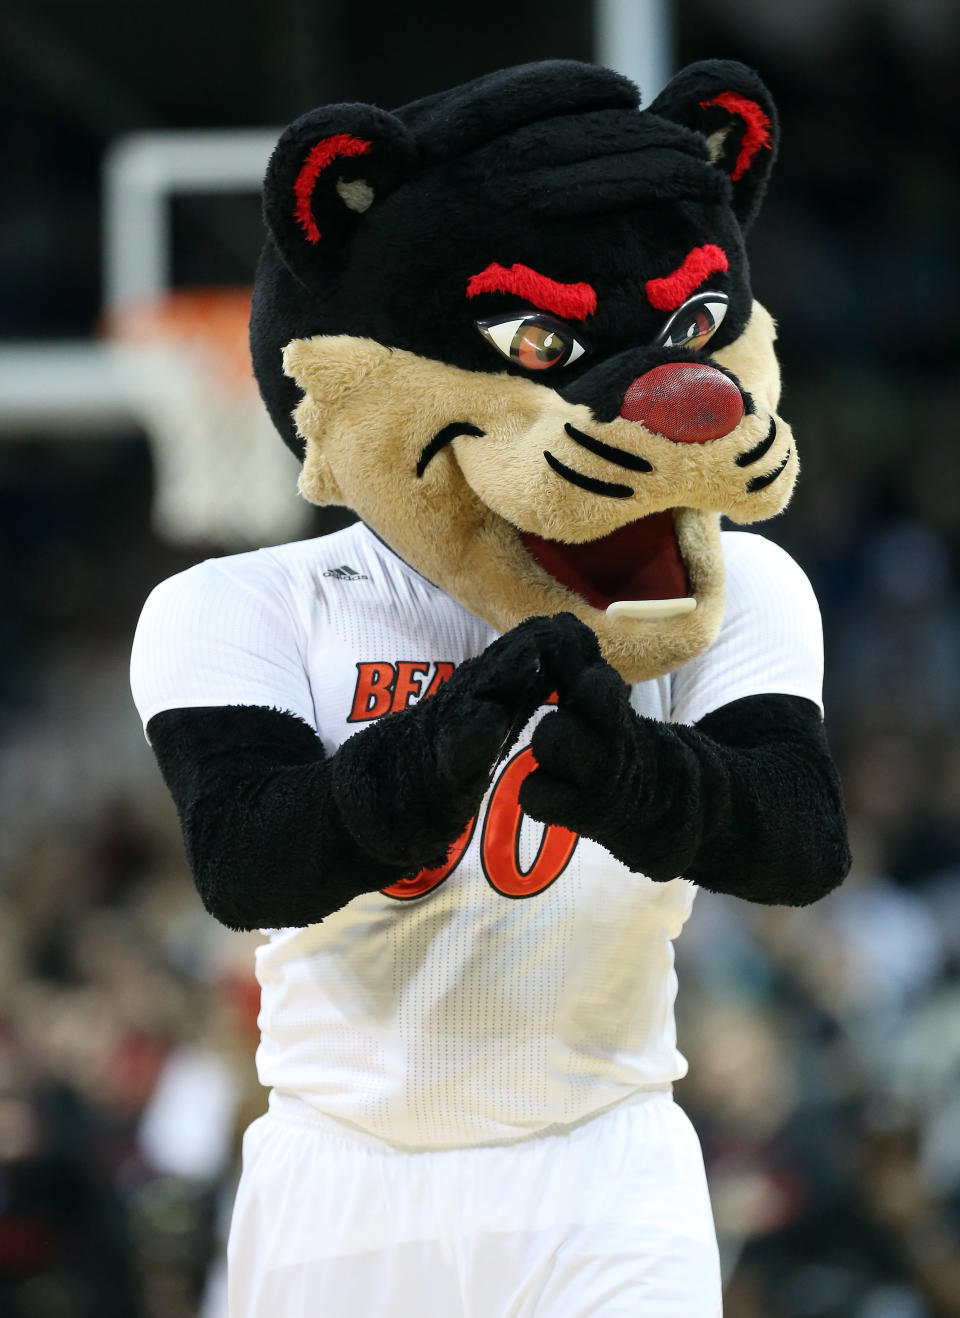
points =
(824, 1044)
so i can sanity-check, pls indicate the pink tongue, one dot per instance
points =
(638, 561)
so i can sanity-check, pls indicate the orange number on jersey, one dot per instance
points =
(428, 879)
(500, 844)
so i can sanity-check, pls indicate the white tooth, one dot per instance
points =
(651, 608)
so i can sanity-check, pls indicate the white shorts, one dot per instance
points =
(609, 1219)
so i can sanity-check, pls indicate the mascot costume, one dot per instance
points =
(467, 761)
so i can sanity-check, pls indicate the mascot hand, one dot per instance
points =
(407, 786)
(613, 776)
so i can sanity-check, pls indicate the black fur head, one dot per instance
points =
(377, 221)
(515, 323)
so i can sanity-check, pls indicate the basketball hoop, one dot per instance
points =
(222, 475)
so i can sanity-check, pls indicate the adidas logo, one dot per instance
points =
(344, 573)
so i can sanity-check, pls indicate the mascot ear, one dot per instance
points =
(327, 170)
(730, 106)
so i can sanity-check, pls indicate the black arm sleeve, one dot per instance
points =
(771, 812)
(263, 837)
(748, 802)
(279, 834)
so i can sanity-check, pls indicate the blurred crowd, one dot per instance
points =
(126, 1038)
(824, 1044)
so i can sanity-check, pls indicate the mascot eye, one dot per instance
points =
(534, 341)
(695, 322)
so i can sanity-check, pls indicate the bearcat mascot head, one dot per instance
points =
(511, 326)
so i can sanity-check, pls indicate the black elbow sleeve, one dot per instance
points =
(781, 838)
(261, 831)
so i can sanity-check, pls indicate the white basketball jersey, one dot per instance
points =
(530, 982)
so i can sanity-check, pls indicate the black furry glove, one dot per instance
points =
(406, 786)
(748, 802)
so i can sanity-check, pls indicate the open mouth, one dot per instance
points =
(639, 561)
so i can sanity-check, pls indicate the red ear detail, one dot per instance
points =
(757, 134)
(319, 157)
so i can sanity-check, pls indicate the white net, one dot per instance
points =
(222, 474)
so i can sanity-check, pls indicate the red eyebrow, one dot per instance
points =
(569, 301)
(672, 290)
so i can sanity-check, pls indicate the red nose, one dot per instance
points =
(684, 401)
